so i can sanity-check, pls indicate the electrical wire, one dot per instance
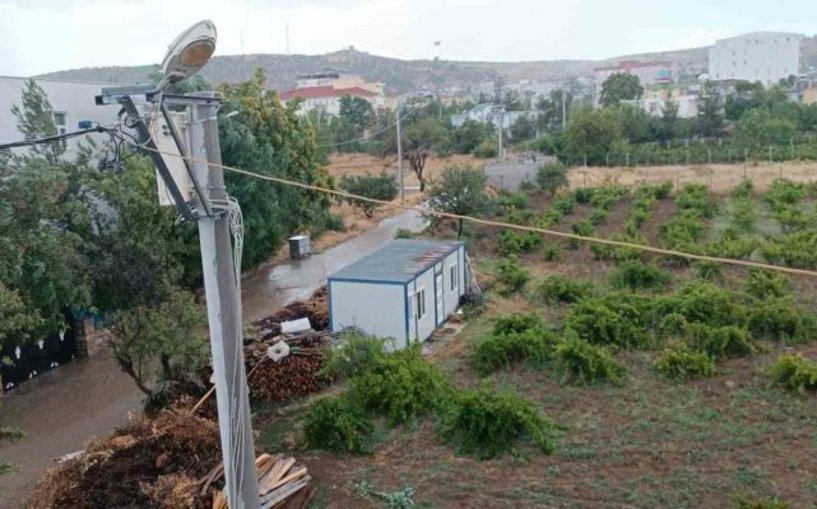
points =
(500, 224)
(50, 139)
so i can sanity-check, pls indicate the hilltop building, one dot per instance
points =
(323, 91)
(767, 57)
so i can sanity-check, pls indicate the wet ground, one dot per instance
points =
(62, 410)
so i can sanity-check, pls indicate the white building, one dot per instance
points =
(72, 102)
(767, 57)
(324, 91)
(403, 291)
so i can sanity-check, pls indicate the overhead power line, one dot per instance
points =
(51, 139)
(501, 224)
(370, 135)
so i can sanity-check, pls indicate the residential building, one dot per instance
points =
(488, 114)
(71, 101)
(323, 91)
(648, 73)
(656, 97)
(767, 57)
(404, 291)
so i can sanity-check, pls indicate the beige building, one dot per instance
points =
(324, 90)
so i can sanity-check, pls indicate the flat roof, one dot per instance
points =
(399, 262)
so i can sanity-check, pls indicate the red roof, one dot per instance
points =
(327, 91)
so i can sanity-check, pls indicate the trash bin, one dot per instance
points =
(299, 247)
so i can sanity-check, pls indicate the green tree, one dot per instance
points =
(710, 118)
(523, 129)
(620, 87)
(593, 134)
(358, 111)
(759, 128)
(669, 120)
(35, 119)
(551, 177)
(512, 101)
(551, 110)
(459, 190)
(272, 139)
(379, 187)
(421, 139)
(469, 136)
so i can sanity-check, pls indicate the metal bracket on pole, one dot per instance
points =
(146, 140)
(205, 203)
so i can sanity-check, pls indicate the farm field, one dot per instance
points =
(656, 370)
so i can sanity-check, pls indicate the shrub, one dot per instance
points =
(731, 246)
(473, 304)
(604, 197)
(743, 215)
(784, 192)
(598, 216)
(683, 231)
(682, 363)
(338, 425)
(512, 275)
(518, 322)
(485, 150)
(615, 320)
(357, 354)
(755, 503)
(701, 301)
(380, 187)
(552, 253)
(780, 319)
(584, 228)
(744, 189)
(767, 284)
(708, 271)
(792, 219)
(696, 197)
(635, 275)
(497, 351)
(663, 190)
(725, 341)
(797, 249)
(402, 233)
(794, 372)
(402, 387)
(564, 206)
(583, 194)
(603, 252)
(557, 289)
(551, 177)
(486, 422)
(513, 243)
(583, 363)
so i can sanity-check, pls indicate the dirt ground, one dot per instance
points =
(719, 177)
(650, 442)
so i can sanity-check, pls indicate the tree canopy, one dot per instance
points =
(620, 87)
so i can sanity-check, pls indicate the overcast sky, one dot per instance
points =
(38, 36)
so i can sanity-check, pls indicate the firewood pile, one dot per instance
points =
(282, 483)
(316, 309)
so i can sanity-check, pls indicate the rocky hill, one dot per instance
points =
(398, 75)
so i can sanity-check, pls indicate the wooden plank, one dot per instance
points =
(219, 500)
(278, 471)
(291, 477)
(285, 492)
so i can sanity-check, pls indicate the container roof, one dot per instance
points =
(400, 261)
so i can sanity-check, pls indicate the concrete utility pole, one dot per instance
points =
(400, 157)
(501, 112)
(564, 110)
(224, 314)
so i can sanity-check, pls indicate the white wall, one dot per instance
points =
(420, 328)
(452, 296)
(377, 308)
(74, 99)
(766, 57)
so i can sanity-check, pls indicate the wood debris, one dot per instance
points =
(282, 483)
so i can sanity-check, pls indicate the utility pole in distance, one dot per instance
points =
(224, 313)
(400, 156)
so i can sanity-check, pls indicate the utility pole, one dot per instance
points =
(400, 156)
(501, 113)
(224, 314)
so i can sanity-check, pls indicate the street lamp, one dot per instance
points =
(189, 52)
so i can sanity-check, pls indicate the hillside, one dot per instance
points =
(398, 75)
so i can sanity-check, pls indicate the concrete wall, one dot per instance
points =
(75, 100)
(377, 308)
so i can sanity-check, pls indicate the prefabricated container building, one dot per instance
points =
(403, 291)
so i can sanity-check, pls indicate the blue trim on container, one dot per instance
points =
(439, 259)
(331, 316)
(406, 310)
(369, 281)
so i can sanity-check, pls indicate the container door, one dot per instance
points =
(439, 290)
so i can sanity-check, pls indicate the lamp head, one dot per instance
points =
(189, 52)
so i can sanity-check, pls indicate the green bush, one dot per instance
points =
(604, 197)
(792, 219)
(683, 231)
(584, 228)
(565, 205)
(743, 215)
(797, 249)
(583, 194)
(716, 342)
(744, 189)
(583, 363)
(616, 320)
(402, 387)
(635, 275)
(767, 284)
(732, 246)
(552, 253)
(701, 301)
(402, 233)
(380, 187)
(782, 320)
(755, 503)
(357, 354)
(486, 422)
(794, 372)
(603, 252)
(598, 216)
(512, 276)
(696, 197)
(338, 425)
(708, 271)
(682, 363)
(784, 192)
(497, 351)
(663, 190)
(557, 289)
(485, 150)
(551, 177)
(513, 243)
(518, 322)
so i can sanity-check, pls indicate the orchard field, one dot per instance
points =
(662, 383)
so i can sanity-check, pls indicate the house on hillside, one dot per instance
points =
(324, 90)
(404, 291)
